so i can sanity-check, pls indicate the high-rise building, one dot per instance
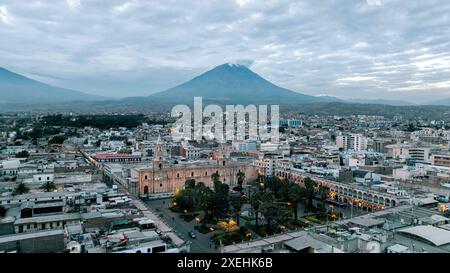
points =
(355, 142)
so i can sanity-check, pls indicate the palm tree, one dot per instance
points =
(257, 200)
(215, 177)
(295, 196)
(262, 182)
(240, 178)
(48, 186)
(236, 202)
(204, 199)
(324, 191)
(272, 211)
(21, 189)
(309, 192)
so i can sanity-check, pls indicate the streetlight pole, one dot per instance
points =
(351, 209)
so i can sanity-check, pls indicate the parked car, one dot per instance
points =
(192, 235)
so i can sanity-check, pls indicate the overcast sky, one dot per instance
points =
(390, 49)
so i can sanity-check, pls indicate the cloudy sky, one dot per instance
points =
(390, 49)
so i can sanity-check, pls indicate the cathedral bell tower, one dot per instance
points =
(159, 155)
(221, 158)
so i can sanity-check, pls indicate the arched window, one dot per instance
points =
(178, 175)
(192, 174)
(160, 166)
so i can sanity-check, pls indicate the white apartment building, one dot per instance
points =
(355, 142)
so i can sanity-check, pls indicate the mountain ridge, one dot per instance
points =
(236, 84)
(16, 88)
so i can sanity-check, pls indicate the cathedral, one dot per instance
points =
(164, 176)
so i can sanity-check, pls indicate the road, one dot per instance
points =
(161, 225)
(201, 244)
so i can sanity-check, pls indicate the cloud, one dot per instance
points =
(73, 4)
(5, 17)
(351, 48)
(361, 45)
(373, 2)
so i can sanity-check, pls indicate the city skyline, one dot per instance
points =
(357, 49)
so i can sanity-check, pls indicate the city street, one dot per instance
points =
(201, 244)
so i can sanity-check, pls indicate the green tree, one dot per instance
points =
(215, 177)
(185, 199)
(220, 198)
(2, 211)
(204, 199)
(23, 154)
(237, 201)
(48, 186)
(309, 192)
(21, 189)
(256, 201)
(240, 178)
(275, 185)
(189, 184)
(273, 213)
(295, 196)
(324, 192)
(262, 183)
(57, 139)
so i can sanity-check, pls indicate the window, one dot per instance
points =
(192, 174)
(42, 226)
(48, 178)
(160, 185)
(145, 177)
(178, 175)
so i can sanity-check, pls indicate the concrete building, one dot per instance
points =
(442, 160)
(353, 142)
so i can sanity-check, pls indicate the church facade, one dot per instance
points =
(166, 177)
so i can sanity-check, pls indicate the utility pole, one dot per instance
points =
(351, 209)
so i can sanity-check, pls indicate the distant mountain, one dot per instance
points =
(233, 84)
(381, 101)
(15, 88)
(444, 102)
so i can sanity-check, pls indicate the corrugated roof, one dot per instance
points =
(434, 235)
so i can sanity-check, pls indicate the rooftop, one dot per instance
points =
(434, 235)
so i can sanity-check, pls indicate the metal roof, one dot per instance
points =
(434, 235)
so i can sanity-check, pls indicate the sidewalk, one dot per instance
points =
(163, 227)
